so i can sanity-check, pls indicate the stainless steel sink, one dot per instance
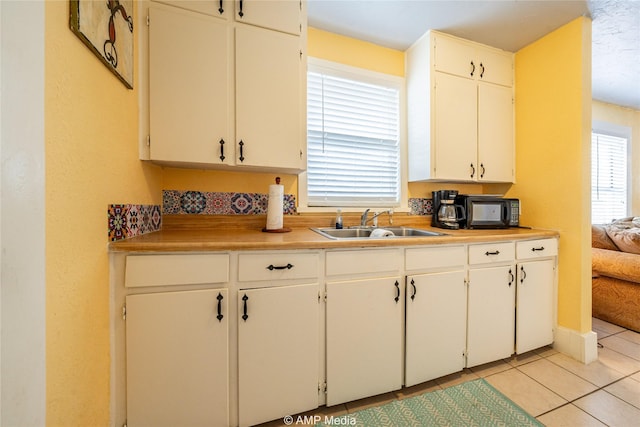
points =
(365, 232)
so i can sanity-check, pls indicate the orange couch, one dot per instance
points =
(616, 272)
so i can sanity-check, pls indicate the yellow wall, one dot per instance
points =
(627, 117)
(553, 142)
(91, 161)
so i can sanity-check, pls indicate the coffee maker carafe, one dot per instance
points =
(446, 214)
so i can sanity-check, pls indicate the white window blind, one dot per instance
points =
(353, 150)
(608, 178)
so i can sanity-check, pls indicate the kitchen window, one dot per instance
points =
(354, 138)
(609, 177)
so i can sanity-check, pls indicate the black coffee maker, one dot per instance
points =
(446, 214)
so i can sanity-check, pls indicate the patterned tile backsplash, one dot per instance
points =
(176, 202)
(127, 221)
(421, 206)
(132, 220)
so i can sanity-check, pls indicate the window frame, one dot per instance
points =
(614, 130)
(373, 77)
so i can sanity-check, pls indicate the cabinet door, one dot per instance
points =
(455, 57)
(364, 338)
(491, 314)
(177, 358)
(456, 133)
(496, 66)
(219, 8)
(278, 349)
(189, 88)
(268, 98)
(274, 14)
(436, 325)
(534, 321)
(495, 133)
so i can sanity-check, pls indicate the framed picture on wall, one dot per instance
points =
(106, 27)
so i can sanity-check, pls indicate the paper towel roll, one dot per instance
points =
(274, 207)
(381, 232)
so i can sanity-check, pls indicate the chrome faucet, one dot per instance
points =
(374, 218)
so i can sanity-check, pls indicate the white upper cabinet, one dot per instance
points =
(460, 111)
(219, 8)
(221, 93)
(279, 15)
(189, 89)
(268, 93)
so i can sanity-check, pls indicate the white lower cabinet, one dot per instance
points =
(177, 358)
(491, 315)
(436, 314)
(535, 302)
(242, 338)
(364, 338)
(278, 350)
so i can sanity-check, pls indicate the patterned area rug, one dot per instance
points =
(474, 403)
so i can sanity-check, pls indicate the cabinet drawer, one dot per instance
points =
(165, 270)
(277, 266)
(491, 252)
(537, 248)
(435, 257)
(365, 261)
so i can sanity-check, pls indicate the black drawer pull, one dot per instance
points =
(397, 285)
(492, 253)
(415, 291)
(280, 267)
(541, 248)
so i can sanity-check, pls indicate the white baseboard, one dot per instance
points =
(582, 347)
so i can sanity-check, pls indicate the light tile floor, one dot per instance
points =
(554, 388)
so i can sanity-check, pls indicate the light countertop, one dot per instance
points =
(217, 233)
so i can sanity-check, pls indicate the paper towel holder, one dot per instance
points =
(277, 230)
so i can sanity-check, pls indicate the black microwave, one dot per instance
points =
(484, 211)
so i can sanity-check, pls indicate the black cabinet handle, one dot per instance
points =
(245, 316)
(221, 9)
(222, 150)
(240, 12)
(473, 68)
(397, 285)
(280, 267)
(473, 170)
(492, 253)
(415, 291)
(541, 248)
(241, 144)
(523, 274)
(482, 170)
(219, 298)
(511, 278)
(481, 70)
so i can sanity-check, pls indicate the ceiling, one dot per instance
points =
(506, 24)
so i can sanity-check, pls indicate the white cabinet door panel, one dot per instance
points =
(495, 133)
(456, 132)
(189, 88)
(274, 14)
(534, 322)
(268, 89)
(177, 359)
(436, 323)
(491, 314)
(278, 350)
(364, 338)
